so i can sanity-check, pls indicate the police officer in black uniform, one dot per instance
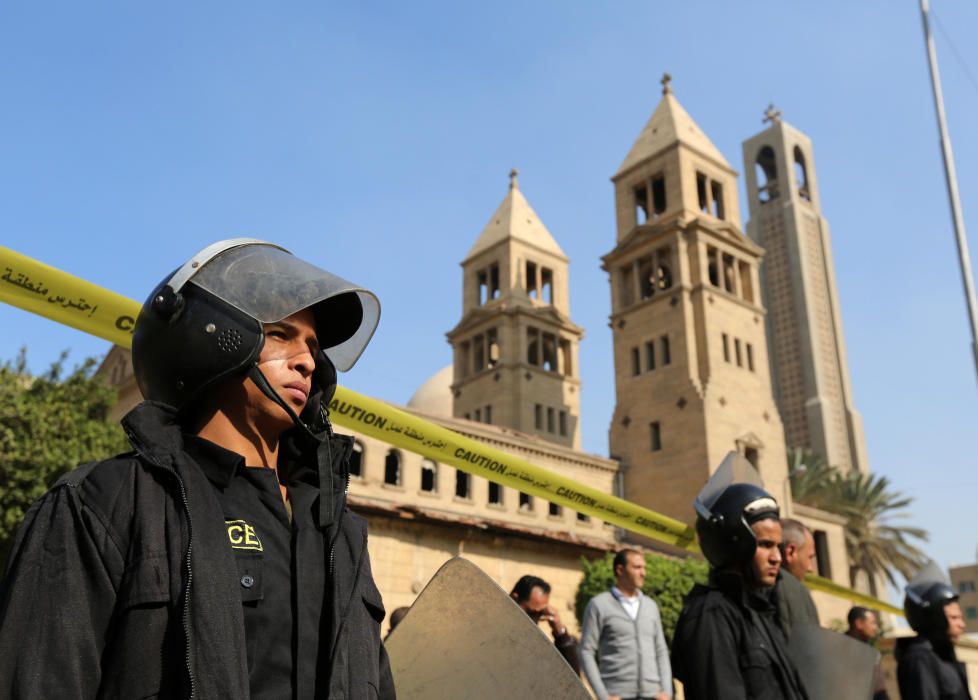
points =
(927, 668)
(728, 643)
(217, 559)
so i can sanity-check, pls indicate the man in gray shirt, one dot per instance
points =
(623, 649)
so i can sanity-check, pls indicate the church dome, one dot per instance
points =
(435, 395)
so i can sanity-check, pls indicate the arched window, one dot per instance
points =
(493, 351)
(801, 175)
(429, 476)
(356, 460)
(712, 266)
(728, 273)
(646, 279)
(766, 169)
(663, 276)
(461, 485)
(392, 468)
(495, 493)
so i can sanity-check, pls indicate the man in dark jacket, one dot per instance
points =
(532, 594)
(927, 668)
(218, 559)
(728, 644)
(795, 604)
(864, 626)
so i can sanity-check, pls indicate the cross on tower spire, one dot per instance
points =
(772, 115)
(666, 80)
(514, 183)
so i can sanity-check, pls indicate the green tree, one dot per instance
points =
(810, 475)
(667, 581)
(48, 425)
(876, 541)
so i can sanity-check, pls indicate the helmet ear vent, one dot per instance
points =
(229, 340)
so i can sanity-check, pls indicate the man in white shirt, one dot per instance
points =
(622, 627)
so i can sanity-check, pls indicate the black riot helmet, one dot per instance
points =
(204, 323)
(732, 500)
(927, 594)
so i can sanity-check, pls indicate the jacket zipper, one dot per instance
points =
(346, 492)
(332, 545)
(341, 623)
(187, 559)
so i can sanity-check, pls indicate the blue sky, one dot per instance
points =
(375, 139)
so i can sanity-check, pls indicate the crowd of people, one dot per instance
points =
(735, 635)
(218, 558)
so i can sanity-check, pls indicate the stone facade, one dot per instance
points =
(691, 369)
(425, 519)
(516, 348)
(808, 357)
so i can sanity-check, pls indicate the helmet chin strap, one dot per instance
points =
(256, 375)
(324, 457)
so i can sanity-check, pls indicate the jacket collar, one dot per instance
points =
(218, 463)
(942, 648)
(154, 431)
(621, 597)
(735, 587)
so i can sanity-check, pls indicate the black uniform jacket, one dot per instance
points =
(728, 646)
(117, 585)
(926, 671)
(795, 604)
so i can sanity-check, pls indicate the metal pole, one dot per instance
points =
(952, 183)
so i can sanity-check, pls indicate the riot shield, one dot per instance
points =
(464, 637)
(833, 665)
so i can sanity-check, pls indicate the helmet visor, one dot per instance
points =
(270, 284)
(929, 575)
(735, 469)
(929, 590)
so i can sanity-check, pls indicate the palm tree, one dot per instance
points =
(876, 542)
(811, 478)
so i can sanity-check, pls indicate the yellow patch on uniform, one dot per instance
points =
(243, 535)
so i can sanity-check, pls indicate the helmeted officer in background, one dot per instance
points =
(728, 643)
(218, 559)
(927, 668)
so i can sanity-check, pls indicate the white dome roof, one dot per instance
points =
(435, 395)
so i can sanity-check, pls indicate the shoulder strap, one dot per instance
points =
(76, 475)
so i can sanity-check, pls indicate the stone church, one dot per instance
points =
(722, 341)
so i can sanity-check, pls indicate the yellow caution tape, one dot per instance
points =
(49, 292)
(384, 422)
(59, 296)
(817, 583)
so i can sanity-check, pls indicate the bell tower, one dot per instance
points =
(691, 371)
(808, 355)
(516, 348)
